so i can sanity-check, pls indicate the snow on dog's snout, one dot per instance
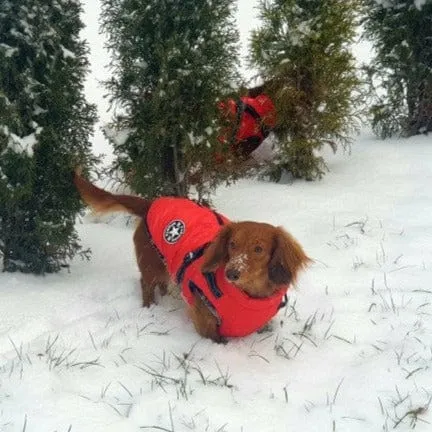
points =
(239, 262)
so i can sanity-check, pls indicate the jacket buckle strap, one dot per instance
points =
(187, 261)
(211, 282)
(265, 130)
(195, 289)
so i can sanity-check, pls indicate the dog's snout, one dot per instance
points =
(232, 274)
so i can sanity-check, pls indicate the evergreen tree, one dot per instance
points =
(45, 124)
(172, 61)
(302, 51)
(401, 71)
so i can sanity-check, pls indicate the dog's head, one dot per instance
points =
(259, 258)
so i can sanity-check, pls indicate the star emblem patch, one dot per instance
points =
(173, 231)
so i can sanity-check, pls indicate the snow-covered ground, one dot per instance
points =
(351, 352)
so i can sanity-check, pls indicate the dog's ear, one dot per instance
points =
(217, 251)
(287, 258)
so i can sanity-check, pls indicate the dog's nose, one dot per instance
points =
(232, 274)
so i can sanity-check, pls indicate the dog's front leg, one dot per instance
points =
(148, 293)
(204, 321)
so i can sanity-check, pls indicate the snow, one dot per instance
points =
(350, 352)
(419, 4)
(23, 144)
(67, 53)
(387, 4)
(8, 50)
(120, 136)
(353, 347)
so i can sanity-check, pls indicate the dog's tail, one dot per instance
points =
(102, 201)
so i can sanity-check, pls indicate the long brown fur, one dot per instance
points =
(260, 256)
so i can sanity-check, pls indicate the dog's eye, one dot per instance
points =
(232, 245)
(258, 249)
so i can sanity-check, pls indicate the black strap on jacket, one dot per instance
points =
(240, 107)
(265, 130)
(188, 260)
(211, 282)
(209, 276)
(247, 108)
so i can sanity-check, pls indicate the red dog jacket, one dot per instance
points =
(180, 230)
(253, 118)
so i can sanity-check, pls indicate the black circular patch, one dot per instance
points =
(173, 231)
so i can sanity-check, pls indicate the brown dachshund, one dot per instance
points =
(233, 275)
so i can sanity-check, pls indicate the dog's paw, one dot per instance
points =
(220, 340)
(267, 328)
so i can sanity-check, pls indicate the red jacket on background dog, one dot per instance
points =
(252, 118)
